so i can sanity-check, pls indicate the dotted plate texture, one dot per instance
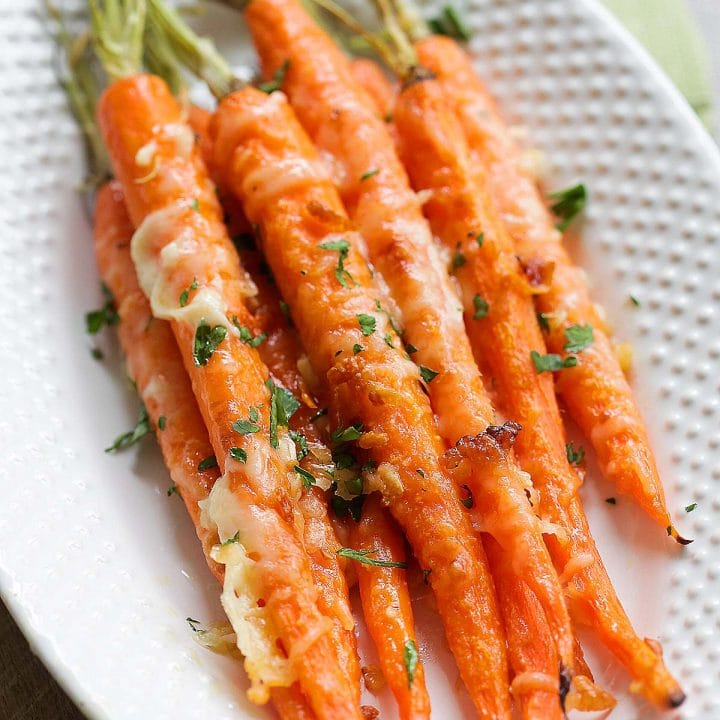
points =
(101, 567)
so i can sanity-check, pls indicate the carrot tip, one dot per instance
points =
(679, 539)
(676, 699)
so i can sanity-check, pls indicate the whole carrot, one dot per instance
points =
(386, 605)
(595, 391)
(507, 341)
(265, 158)
(182, 247)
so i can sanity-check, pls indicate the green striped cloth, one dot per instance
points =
(668, 31)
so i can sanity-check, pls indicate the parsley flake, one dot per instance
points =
(468, 501)
(162, 422)
(271, 86)
(574, 457)
(207, 339)
(246, 336)
(411, 349)
(410, 659)
(106, 316)
(283, 406)
(173, 490)
(367, 323)
(141, 429)
(342, 247)
(369, 174)
(361, 556)
(185, 294)
(450, 23)
(551, 362)
(357, 348)
(388, 340)
(458, 259)
(233, 540)
(569, 204)
(307, 478)
(544, 321)
(195, 205)
(301, 444)
(351, 432)
(238, 454)
(634, 301)
(689, 508)
(481, 307)
(480, 239)
(579, 337)
(207, 463)
(247, 427)
(427, 374)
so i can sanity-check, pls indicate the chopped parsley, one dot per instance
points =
(301, 444)
(544, 321)
(357, 348)
(552, 362)
(480, 239)
(388, 340)
(481, 307)
(351, 432)
(468, 501)
(427, 374)
(283, 406)
(633, 300)
(246, 336)
(233, 540)
(271, 86)
(450, 23)
(193, 624)
(162, 422)
(185, 294)
(141, 429)
(207, 339)
(173, 490)
(195, 205)
(361, 556)
(579, 337)
(411, 349)
(458, 259)
(574, 457)
(410, 659)
(369, 174)
(611, 501)
(342, 247)
(97, 353)
(367, 323)
(689, 508)
(247, 427)
(569, 203)
(207, 463)
(106, 315)
(307, 478)
(342, 507)
(238, 454)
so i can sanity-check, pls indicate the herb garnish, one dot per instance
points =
(481, 307)
(574, 457)
(367, 323)
(450, 23)
(141, 429)
(207, 339)
(569, 204)
(238, 454)
(307, 478)
(162, 422)
(689, 508)
(361, 556)
(551, 362)
(271, 86)
(283, 406)
(173, 490)
(207, 463)
(342, 247)
(185, 294)
(458, 259)
(468, 501)
(247, 427)
(357, 348)
(106, 315)
(578, 338)
(544, 321)
(351, 432)
(233, 540)
(410, 658)
(246, 336)
(427, 374)
(369, 174)
(301, 444)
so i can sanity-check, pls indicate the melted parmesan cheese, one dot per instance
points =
(146, 154)
(241, 597)
(182, 135)
(268, 183)
(533, 682)
(574, 566)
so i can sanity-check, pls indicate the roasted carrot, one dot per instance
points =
(386, 605)
(595, 391)
(155, 365)
(265, 158)
(175, 210)
(437, 159)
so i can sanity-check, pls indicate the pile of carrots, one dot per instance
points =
(348, 312)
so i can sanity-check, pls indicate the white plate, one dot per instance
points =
(101, 568)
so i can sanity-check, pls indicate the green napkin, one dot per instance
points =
(667, 30)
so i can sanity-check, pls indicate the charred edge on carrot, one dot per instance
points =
(505, 434)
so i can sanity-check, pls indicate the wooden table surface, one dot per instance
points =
(27, 690)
